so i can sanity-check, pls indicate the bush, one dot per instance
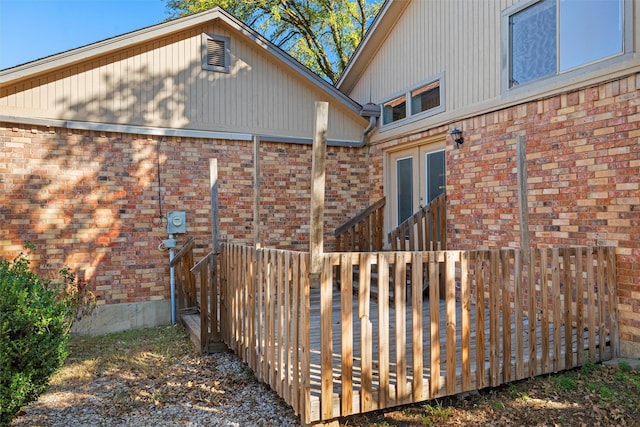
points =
(35, 318)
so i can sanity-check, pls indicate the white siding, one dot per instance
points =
(161, 83)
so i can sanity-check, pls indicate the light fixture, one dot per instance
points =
(456, 134)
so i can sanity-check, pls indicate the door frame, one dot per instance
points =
(417, 149)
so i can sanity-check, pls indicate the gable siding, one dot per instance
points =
(462, 40)
(162, 84)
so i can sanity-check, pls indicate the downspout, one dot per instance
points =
(172, 281)
(170, 245)
(372, 111)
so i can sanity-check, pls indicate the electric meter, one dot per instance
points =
(176, 223)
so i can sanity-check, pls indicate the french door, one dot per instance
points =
(416, 177)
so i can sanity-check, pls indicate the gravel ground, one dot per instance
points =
(143, 387)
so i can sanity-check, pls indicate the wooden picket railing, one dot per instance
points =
(364, 232)
(197, 297)
(425, 230)
(334, 350)
(186, 292)
(265, 316)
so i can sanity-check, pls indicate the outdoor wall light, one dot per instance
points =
(456, 134)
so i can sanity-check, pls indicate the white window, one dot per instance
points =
(424, 99)
(550, 37)
(215, 53)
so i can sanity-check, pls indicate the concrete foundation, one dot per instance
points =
(121, 317)
(630, 349)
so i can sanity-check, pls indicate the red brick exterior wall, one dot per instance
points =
(583, 166)
(89, 200)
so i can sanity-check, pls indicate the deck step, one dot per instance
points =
(191, 323)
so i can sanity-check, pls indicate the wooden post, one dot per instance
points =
(215, 216)
(523, 194)
(317, 190)
(256, 191)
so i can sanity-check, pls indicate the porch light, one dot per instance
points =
(456, 134)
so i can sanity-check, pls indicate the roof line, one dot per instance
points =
(169, 132)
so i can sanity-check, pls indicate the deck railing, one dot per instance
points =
(335, 351)
(425, 230)
(364, 232)
(185, 284)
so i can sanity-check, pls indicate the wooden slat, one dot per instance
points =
(346, 297)
(416, 325)
(568, 300)
(466, 321)
(557, 309)
(366, 331)
(612, 299)
(580, 325)
(601, 304)
(533, 315)
(288, 345)
(400, 298)
(505, 289)
(591, 314)
(326, 339)
(271, 318)
(494, 320)
(480, 310)
(280, 310)
(518, 308)
(450, 268)
(383, 333)
(204, 308)
(252, 312)
(544, 319)
(305, 363)
(261, 320)
(434, 315)
(214, 326)
(296, 322)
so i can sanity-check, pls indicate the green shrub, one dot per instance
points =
(34, 323)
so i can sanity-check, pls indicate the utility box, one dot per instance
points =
(176, 223)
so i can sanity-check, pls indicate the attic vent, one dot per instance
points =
(215, 53)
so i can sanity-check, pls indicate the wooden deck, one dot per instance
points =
(346, 347)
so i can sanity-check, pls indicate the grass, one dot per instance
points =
(593, 394)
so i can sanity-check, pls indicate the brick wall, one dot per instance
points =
(583, 165)
(90, 200)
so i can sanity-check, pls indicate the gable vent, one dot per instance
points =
(215, 53)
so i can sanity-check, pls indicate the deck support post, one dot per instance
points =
(523, 195)
(256, 192)
(215, 215)
(316, 241)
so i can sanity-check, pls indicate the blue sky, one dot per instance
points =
(33, 29)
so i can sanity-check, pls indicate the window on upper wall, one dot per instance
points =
(423, 100)
(215, 53)
(551, 37)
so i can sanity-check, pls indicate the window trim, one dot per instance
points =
(571, 74)
(205, 63)
(412, 117)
